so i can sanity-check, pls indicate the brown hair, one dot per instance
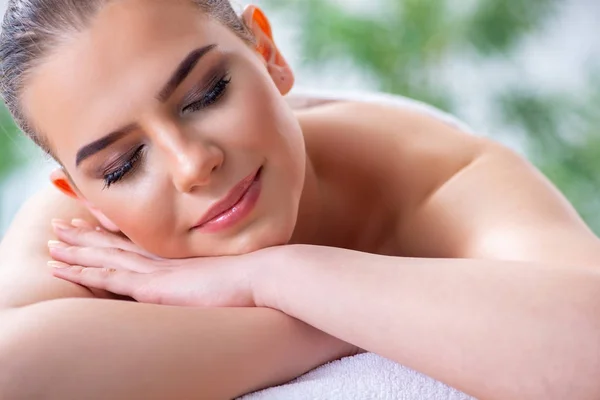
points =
(31, 28)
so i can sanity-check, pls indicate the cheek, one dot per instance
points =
(276, 131)
(266, 120)
(143, 214)
(276, 128)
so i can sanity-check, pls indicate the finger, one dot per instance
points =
(119, 282)
(81, 223)
(82, 236)
(98, 293)
(99, 257)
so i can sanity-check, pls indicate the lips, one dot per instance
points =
(229, 201)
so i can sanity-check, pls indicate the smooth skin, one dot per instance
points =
(445, 252)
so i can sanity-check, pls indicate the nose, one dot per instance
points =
(191, 159)
(195, 164)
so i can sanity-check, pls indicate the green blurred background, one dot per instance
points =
(526, 73)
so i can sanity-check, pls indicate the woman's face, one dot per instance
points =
(163, 117)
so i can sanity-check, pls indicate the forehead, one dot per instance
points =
(143, 25)
(127, 53)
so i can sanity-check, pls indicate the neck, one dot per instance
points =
(338, 212)
(311, 209)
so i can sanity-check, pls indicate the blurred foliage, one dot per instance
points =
(10, 155)
(564, 142)
(404, 44)
(496, 26)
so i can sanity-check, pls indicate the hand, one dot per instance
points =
(98, 259)
(80, 232)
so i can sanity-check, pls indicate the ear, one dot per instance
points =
(278, 68)
(62, 182)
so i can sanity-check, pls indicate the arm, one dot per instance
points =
(53, 347)
(493, 329)
(104, 349)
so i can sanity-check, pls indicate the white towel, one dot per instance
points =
(362, 377)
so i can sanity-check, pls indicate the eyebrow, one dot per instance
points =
(102, 143)
(182, 71)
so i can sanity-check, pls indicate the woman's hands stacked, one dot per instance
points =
(98, 259)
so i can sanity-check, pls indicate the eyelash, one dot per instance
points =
(116, 176)
(209, 98)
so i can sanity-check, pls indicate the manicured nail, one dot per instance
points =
(58, 265)
(56, 244)
(80, 223)
(61, 225)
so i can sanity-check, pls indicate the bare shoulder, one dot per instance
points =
(500, 206)
(414, 135)
(457, 195)
(24, 276)
(416, 153)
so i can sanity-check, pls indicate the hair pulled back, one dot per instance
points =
(32, 28)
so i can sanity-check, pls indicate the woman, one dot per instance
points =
(291, 238)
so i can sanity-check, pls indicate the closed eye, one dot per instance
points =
(209, 97)
(115, 176)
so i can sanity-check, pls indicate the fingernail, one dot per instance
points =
(61, 225)
(80, 223)
(58, 265)
(56, 244)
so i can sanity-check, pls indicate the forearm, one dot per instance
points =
(86, 348)
(496, 330)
